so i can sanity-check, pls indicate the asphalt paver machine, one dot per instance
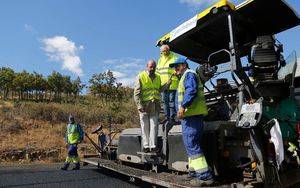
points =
(251, 134)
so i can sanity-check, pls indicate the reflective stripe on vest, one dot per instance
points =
(150, 89)
(165, 71)
(198, 106)
(72, 134)
(198, 164)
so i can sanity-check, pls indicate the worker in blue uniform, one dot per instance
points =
(74, 136)
(191, 110)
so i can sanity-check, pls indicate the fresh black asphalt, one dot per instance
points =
(51, 176)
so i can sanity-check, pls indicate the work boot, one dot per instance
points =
(196, 182)
(155, 150)
(76, 167)
(65, 167)
(189, 176)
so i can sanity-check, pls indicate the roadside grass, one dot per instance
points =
(86, 112)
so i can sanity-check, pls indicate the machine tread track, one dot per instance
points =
(159, 179)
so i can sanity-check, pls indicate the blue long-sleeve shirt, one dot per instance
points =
(191, 86)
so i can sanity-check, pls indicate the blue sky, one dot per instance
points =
(82, 37)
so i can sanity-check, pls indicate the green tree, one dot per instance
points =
(77, 87)
(55, 85)
(6, 81)
(96, 84)
(39, 85)
(23, 83)
(107, 88)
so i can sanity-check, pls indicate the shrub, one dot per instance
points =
(93, 113)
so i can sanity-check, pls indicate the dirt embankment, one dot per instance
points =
(24, 140)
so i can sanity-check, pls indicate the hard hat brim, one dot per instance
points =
(173, 65)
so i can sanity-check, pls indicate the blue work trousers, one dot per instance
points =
(72, 154)
(192, 130)
(169, 100)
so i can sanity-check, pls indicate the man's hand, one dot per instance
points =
(180, 112)
(174, 75)
(141, 110)
(170, 80)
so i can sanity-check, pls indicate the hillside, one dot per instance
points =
(34, 131)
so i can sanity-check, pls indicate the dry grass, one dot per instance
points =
(40, 135)
(87, 112)
(37, 135)
(32, 135)
(37, 126)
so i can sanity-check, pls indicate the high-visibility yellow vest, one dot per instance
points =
(198, 106)
(165, 71)
(150, 88)
(72, 134)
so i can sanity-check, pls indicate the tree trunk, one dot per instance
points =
(5, 94)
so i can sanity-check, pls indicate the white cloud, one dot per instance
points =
(29, 28)
(60, 48)
(81, 47)
(128, 81)
(118, 74)
(125, 69)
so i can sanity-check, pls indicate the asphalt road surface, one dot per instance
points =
(51, 176)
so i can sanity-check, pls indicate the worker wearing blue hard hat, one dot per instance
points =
(191, 110)
(178, 61)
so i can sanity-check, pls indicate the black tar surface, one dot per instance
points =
(51, 176)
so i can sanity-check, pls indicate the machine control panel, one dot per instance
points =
(250, 114)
